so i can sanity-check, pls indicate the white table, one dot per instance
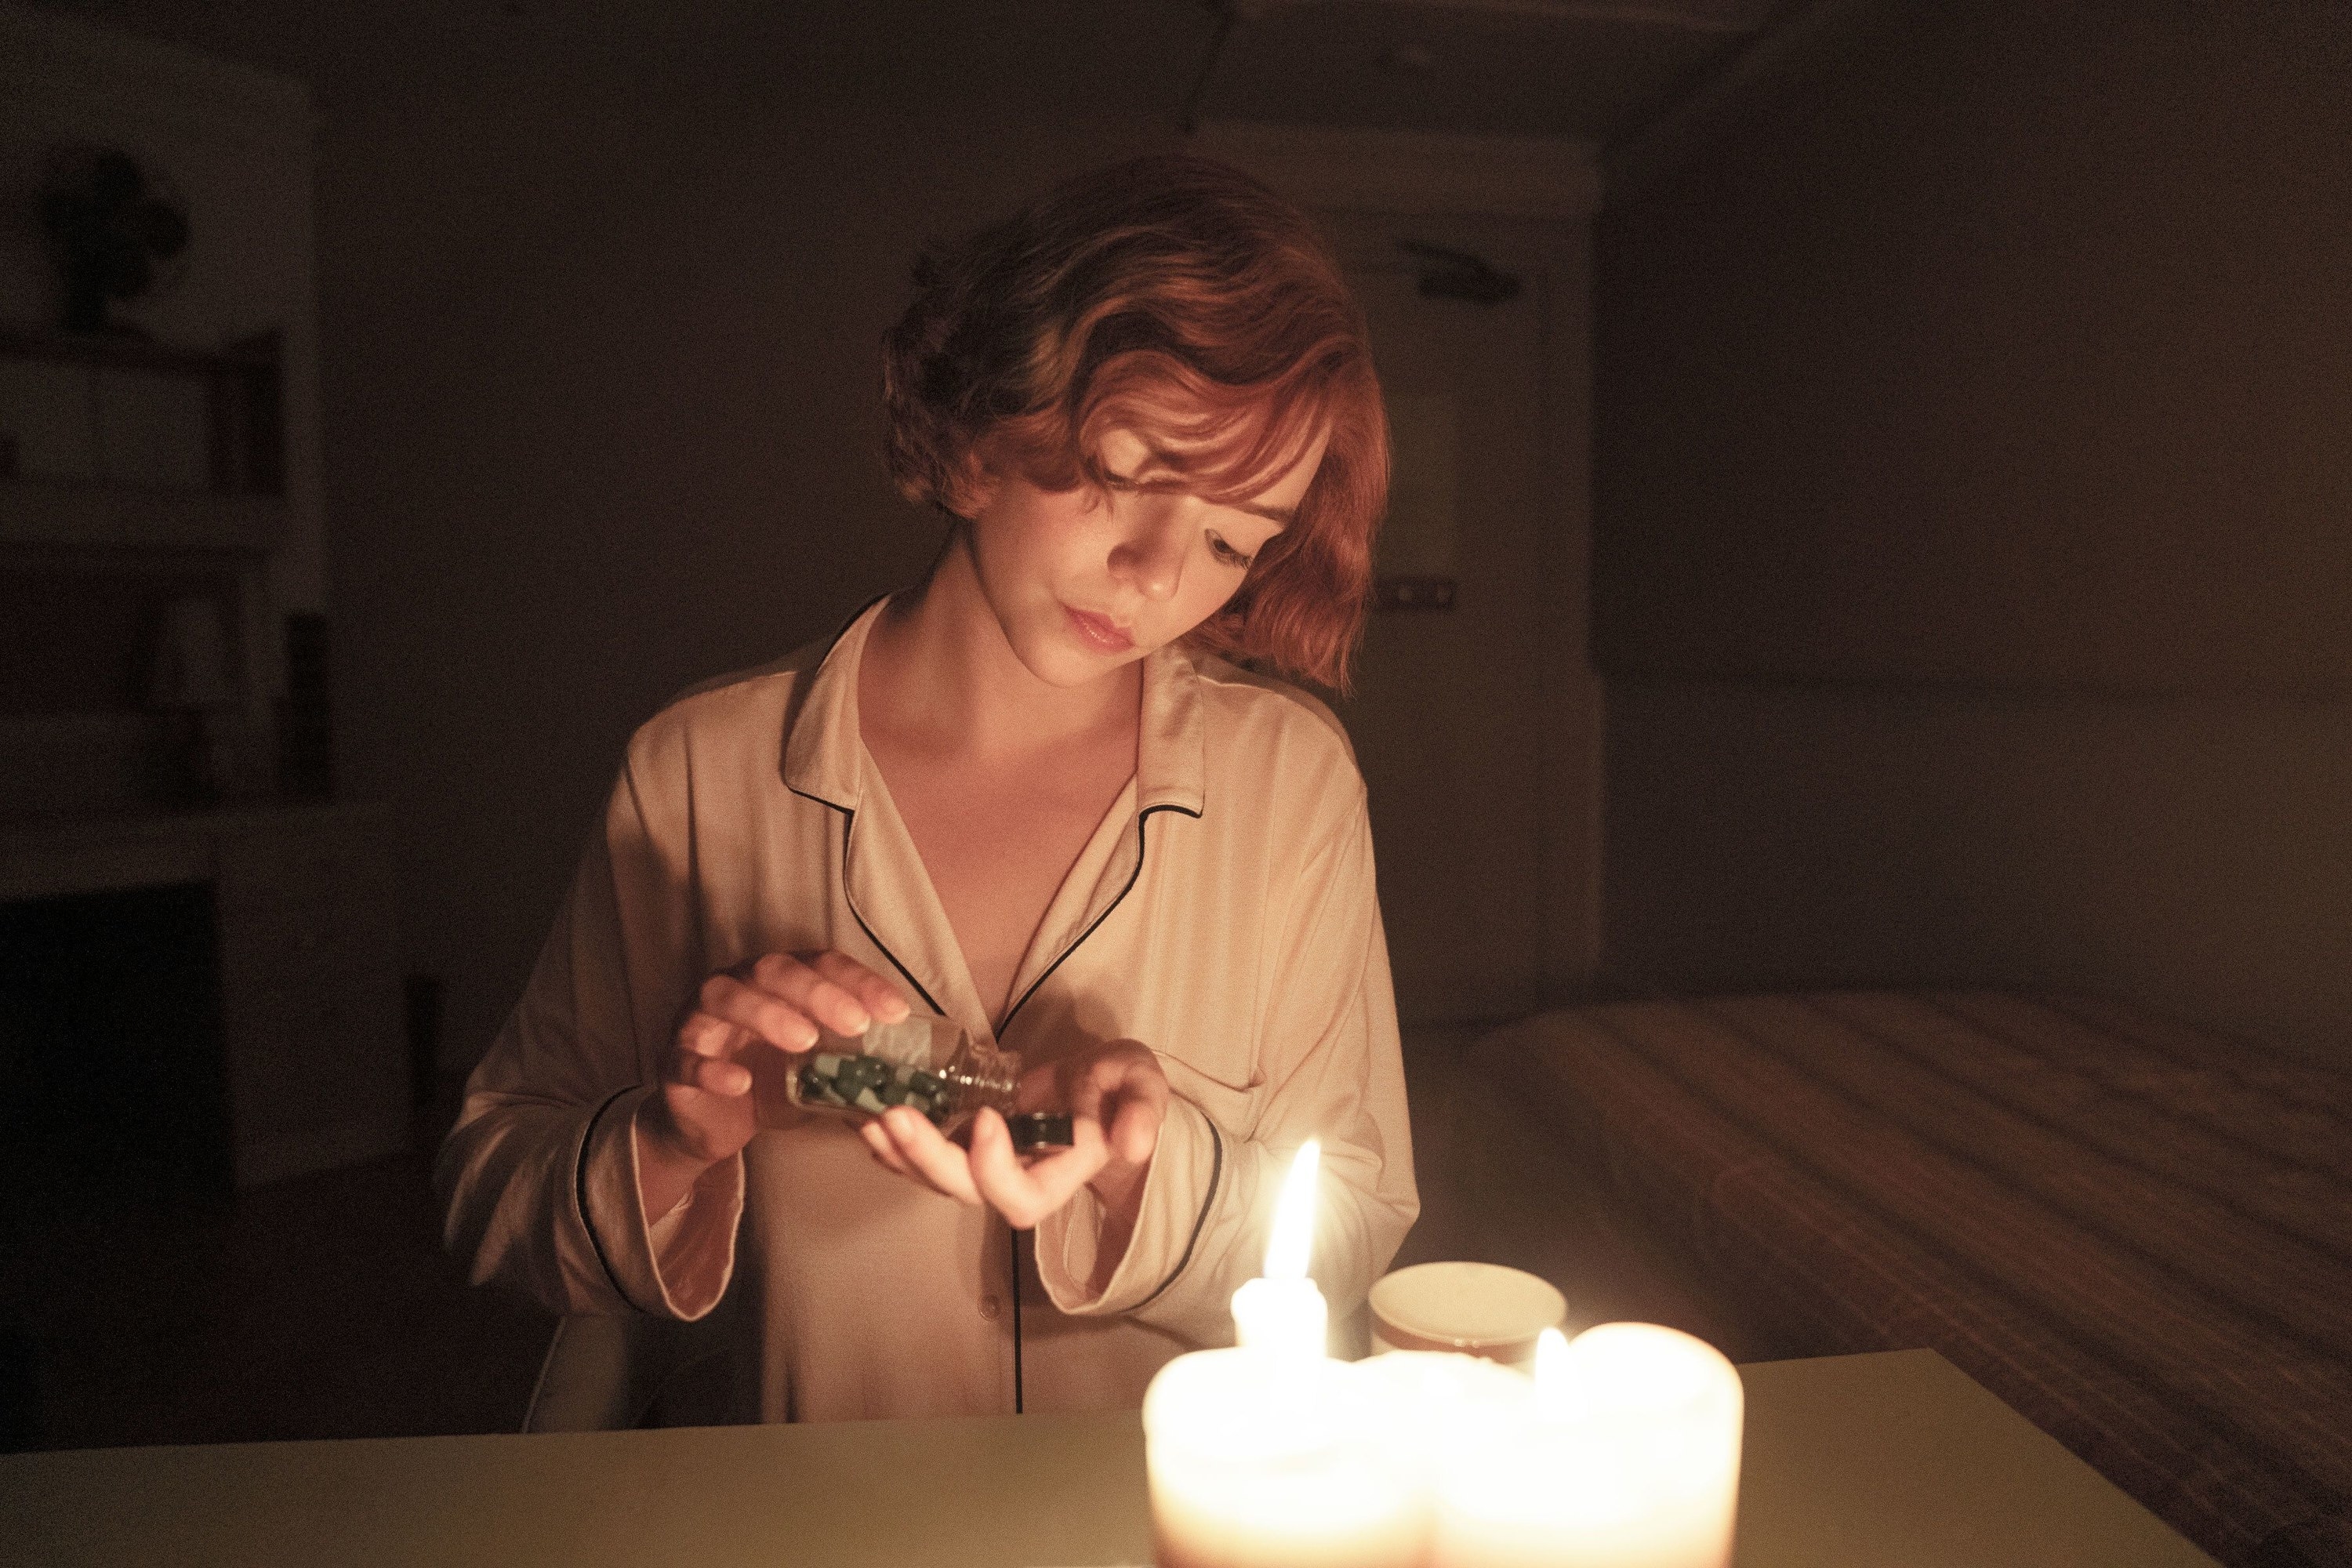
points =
(1895, 1460)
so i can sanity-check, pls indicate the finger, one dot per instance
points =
(1111, 1078)
(881, 999)
(1134, 1134)
(1025, 1194)
(759, 1011)
(786, 978)
(1088, 1088)
(704, 1035)
(705, 1058)
(1040, 1089)
(886, 1154)
(1136, 1076)
(715, 1075)
(931, 1156)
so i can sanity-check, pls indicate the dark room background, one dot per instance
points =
(1928, 555)
(1970, 407)
(1974, 518)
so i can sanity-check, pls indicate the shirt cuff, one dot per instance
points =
(675, 1267)
(1179, 1193)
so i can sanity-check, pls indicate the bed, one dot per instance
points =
(2138, 1234)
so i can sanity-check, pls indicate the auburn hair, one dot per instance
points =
(1180, 299)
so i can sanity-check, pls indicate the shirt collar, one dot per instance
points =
(822, 748)
(1171, 761)
(823, 756)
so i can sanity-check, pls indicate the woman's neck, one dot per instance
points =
(939, 673)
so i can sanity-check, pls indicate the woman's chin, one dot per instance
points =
(1063, 664)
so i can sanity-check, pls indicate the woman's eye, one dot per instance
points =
(1227, 554)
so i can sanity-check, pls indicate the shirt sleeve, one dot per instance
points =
(1332, 1069)
(539, 1175)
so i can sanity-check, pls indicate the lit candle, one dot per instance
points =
(1261, 1460)
(1272, 1454)
(1282, 1310)
(1434, 1403)
(1627, 1456)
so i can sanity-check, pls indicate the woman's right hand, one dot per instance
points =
(706, 1111)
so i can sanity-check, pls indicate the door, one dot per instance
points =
(1475, 722)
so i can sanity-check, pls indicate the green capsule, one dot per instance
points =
(924, 1083)
(867, 1100)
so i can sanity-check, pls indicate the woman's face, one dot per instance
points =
(1083, 583)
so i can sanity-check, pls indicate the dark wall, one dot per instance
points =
(1973, 576)
(602, 406)
(2009, 344)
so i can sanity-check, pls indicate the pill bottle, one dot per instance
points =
(928, 1064)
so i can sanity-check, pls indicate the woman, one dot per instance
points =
(1027, 795)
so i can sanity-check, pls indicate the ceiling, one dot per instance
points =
(1596, 70)
(1586, 68)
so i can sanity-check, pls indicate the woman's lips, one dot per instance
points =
(1099, 632)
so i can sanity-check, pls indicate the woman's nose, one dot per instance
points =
(1150, 553)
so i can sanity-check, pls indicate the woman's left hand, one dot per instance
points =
(1116, 1096)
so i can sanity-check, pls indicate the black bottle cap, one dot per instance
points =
(1035, 1129)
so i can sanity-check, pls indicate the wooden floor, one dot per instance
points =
(326, 1308)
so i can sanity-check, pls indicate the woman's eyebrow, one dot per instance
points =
(1172, 463)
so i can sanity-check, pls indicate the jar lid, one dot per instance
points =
(1035, 1129)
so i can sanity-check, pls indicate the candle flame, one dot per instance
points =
(1293, 1216)
(1552, 1373)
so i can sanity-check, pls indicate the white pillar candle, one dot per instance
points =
(1262, 1459)
(1433, 1405)
(1282, 1310)
(1627, 1456)
(1272, 1454)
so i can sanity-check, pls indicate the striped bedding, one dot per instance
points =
(2139, 1235)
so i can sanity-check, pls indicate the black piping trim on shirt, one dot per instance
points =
(830, 642)
(1141, 818)
(859, 915)
(579, 1194)
(848, 822)
(1014, 1237)
(1217, 1174)
(1216, 1168)
(1141, 844)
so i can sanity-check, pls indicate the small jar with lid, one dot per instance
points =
(928, 1064)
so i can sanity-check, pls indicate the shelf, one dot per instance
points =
(126, 351)
(126, 412)
(57, 512)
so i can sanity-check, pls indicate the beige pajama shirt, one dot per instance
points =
(1223, 913)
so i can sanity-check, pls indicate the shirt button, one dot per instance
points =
(989, 1307)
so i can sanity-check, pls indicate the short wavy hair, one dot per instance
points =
(1180, 298)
